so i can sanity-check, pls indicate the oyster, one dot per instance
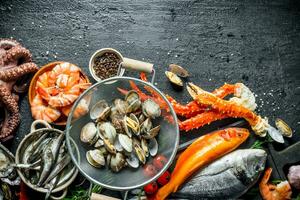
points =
(95, 158)
(151, 109)
(133, 100)
(284, 129)
(100, 111)
(117, 162)
(89, 134)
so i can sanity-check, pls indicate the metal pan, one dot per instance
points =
(27, 140)
(127, 178)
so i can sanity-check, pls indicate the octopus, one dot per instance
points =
(16, 68)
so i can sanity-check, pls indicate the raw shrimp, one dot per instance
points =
(281, 191)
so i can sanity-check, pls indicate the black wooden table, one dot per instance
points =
(255, 42)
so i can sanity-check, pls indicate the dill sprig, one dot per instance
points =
(259, 144)
(80, 193)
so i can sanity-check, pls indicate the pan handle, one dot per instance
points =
(41, 122)
(137, 65)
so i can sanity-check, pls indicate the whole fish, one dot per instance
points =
(55, 146)
(200, 153)
(227, 178)
(48, 160)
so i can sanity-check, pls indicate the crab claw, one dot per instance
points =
(194, 90)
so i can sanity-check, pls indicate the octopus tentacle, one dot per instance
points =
(15, 73)
(8, 43)
(14, 54)
(12, 118)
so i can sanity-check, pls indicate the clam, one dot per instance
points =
(100, 111)
(133, 100)
(117, 119)
(153, 147)
(133, 161)
(283, 128)
(144, 145)
(174, 79)
(126, 142)
(131, 125)
(178, 70)
(142, 118)
(103, 151)
(99, 143)
(89, 134)
(139, 151)
(118, 145)
(107, 130)
(95, 158)
(117, 162)
(147, 131)
(109, 146)
(151, 109)
(121, 106)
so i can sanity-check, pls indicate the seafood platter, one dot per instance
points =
(123, 134)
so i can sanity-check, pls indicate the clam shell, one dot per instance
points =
(89, 134)
(178, 70)
(100, 110)
(117, 162)
(133, 161)
(133, 100)
(283, 128)
(95, 158)
(174, 79)
(125, 142)
(151, 109)
(153, 147)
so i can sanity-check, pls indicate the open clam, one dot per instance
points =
(100, 111)
(147, 129)
(89, 134)
(133, 100)
(117, 119)
(131, 125)
(117, 162)
(151, 109)
(178, 70)
(139, 151)
(133, 161)
(284, 128)
(153, 147)
(174, 79)
(144, 145)
(95, 158)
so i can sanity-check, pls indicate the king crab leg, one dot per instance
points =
(231, 108)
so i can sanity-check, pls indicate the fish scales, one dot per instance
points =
(227, 178)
